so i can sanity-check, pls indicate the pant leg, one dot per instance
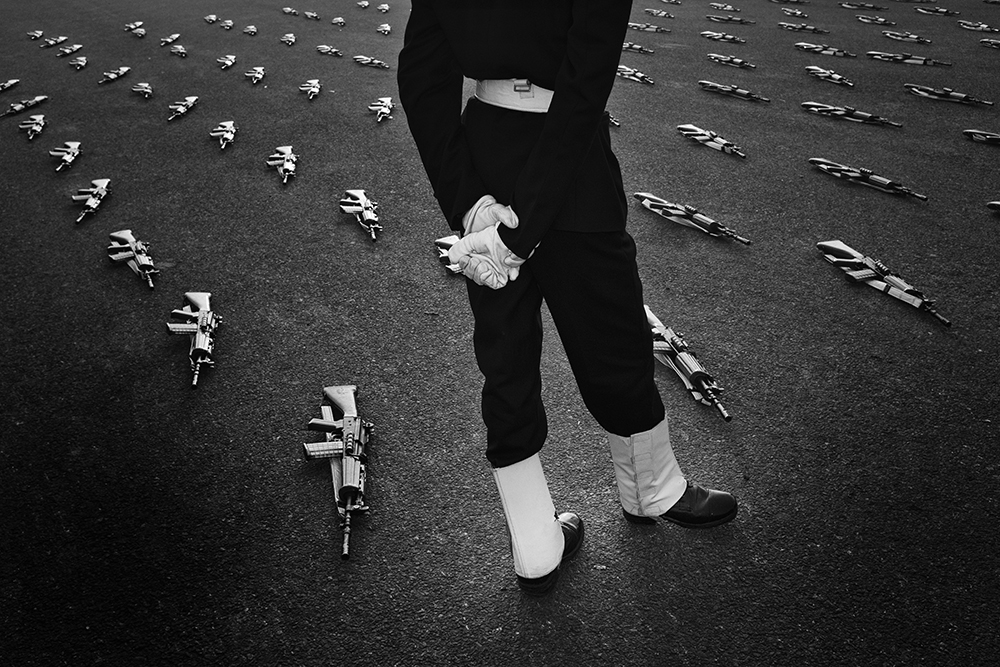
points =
(591, 285)
(508, 344)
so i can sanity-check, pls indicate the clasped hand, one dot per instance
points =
(481, 254)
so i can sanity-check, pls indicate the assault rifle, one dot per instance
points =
(368, 61)
(906, 59)
(729, 19)
(633, 74)
(382, 108)
(825, 49)
(710, 139)
(983, 136)
(647, 27)
(346, 446)
(200, 323)
(34, 125)
(635, 48)
(860, 268)
(977, 25)
(802, 27)
(311, 88)
(722, 37)
(828, 75)
(878, 20)
(144, 89)
(732, 61)
(92, 196)
(864, 177)
(255, 74)
(946, 94)
(182, 107)
(126, 248)
(66, 153)
(905, 37)
(847, 113)
(670, 349)
(18, 107)
(115, 74)
(940, 11)
(733, 90)
(283, 159)
(225, 132)
(686, 215)
(364, 210)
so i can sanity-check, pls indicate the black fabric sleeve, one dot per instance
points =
(582, 88)
(430, 91)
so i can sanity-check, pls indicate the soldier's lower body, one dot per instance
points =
(590, 284)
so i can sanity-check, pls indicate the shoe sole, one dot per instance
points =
(708, 524)
(645, 520)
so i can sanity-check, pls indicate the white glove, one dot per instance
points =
(486, 213)
(483, 257)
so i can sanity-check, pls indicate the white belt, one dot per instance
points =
(516, 94)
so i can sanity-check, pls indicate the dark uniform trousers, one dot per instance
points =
(591, 286)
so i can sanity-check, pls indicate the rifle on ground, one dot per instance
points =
(688, 216)
(346, 446)
(200, 323)
(860, 268)
(365, 210)
(443, 245)
(125, 247)
(670, 349)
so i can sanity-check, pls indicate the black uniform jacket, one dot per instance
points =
(556, 170)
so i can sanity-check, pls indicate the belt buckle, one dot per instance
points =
(523, 86)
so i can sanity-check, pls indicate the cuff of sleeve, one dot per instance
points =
(510, 237)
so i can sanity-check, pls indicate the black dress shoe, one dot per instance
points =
(697, 508)
(572, 528)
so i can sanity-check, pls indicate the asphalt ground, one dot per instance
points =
(146, 523)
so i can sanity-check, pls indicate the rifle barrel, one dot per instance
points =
(730, 233)
(941, 318)
(345, 554)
